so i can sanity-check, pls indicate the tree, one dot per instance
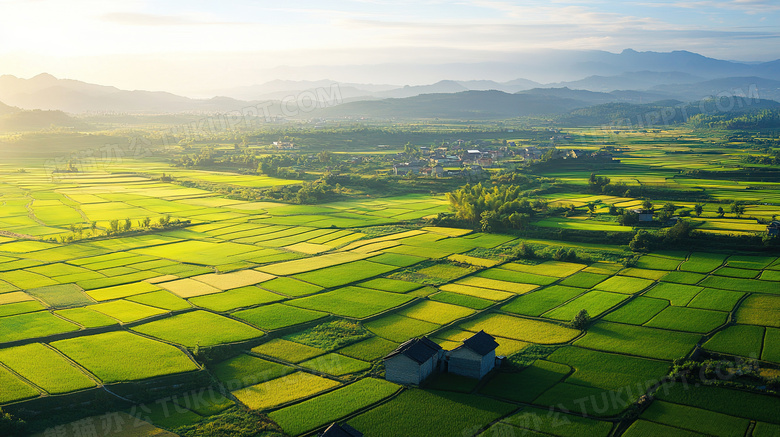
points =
(581, 320)
(591, 207)
(647, 204)
(93, 226)
(146, 222)
(114, 226)
(613, 210)
(641, 242)
(721, 212)
(698, 209)
(487, 221)
(11, 426)
(128, 225)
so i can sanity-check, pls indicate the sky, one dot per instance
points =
(196, 46)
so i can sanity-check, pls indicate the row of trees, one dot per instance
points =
(116, 227)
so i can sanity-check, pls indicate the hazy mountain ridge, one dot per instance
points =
(635, 77)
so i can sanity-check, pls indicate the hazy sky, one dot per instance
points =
(203, 45)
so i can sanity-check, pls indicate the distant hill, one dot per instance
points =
(635, 80)
(18, 121)
(5, 109)
(466, 104)
(745, 86)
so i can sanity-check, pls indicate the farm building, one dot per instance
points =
(773, 229)
(475, 357)
(335, 430)
(645, 215)
(413, 361)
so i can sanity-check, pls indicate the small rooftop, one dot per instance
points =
(418, 349)
(481, 343)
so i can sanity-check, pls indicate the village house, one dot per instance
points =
(413, 361)
(336, 430)
(475, 357)
(405, 168)
(773, 229)
(416, 359)
(645, 215)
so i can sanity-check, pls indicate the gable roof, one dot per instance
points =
(335, 430)
(481, 343)
(418, 349)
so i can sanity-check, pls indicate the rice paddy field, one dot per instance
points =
(290, 308)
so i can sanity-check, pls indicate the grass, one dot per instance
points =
(723, 400)
(12, 309)
(277, 316)
(291, 287)
(644, 428)
(370, 349)
(61, 296)
(335, 364)
(122, 291)
(199, 328)
(245, 370)
(188, 287)
(122, 356)
(583, 280)
(126, 311)
(501, 274)
(461, 299)
(658, 263)
(703, 262)
(738, 284)
(595, 302)
(759, 310)
(590, 401)
(736, 273)
(397, 259)
(771, 351)
(356, 302)
(609, 371)
(45, 368)
(456, 414)
(394, 285)
(478, 292)
(229, 281)
(559, 269)
(287, 350)
(637, 312)
(766, 430)
(533, 331)
(624, 284)
(398, 328)
(344, 273)
(714, 299)
(696, 419)
(283, 390)
(14, 389)
(236, 298)
(435, 312)
(330, 335)
(161, 299)
(528, 384)
(643, 273)
(87, 317)
(555, 423)
(322, 410)
(638, 340)
(750, 262)
(683, 277)
(676, 294)
(33, 325)
(540, 301)
(688, 319)
(495, 284)
(742, 340)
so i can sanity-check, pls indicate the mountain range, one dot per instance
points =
(627, 77)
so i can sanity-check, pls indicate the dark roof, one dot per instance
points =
(344, 430)
(419, 349)
(481, 343)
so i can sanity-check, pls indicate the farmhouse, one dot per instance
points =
(413, 361)
(475, 357)
(335, 430)
(773, 229)
(645, 215)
